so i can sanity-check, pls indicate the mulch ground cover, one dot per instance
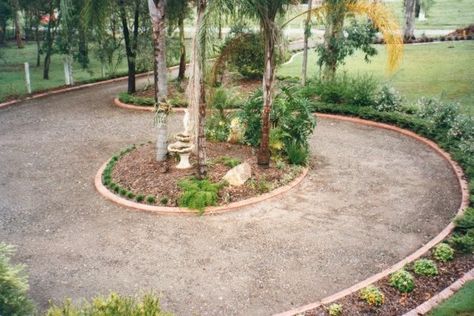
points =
(397, 303)
(139, 172)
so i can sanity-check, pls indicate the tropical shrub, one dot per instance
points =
(425, 267)
(247, 54)
(372, 295)
(297, 154)
(113, 305)
(403, 281)
(465, 221)
(13, 286)
(441, 115)
(217, 127)
(131, 99)
(388, 99)
(198, 194)
(335, 309)
(362, 90)
(443, 252)
(463, 242)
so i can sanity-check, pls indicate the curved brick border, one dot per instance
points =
(441, 296)
(445, 232)
(134, 107)
(104, 191)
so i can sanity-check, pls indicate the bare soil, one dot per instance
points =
(139, 172)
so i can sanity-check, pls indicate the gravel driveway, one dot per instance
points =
(371, 198)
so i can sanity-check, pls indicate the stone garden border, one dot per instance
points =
(437, 239)
(164, 210)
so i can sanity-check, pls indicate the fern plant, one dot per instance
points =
(198, 194)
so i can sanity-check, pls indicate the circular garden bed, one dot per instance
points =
(135, 175)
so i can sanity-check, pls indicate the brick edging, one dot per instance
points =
(437, 239)
(163, 210)
(441, 296)
(134, 107)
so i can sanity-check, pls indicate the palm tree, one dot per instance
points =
(307, 33)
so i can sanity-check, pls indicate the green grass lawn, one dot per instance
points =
(460, 304)
(443, 70)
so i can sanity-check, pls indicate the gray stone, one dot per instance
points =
(238, 175)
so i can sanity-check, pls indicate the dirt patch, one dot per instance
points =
(139, 172)
(397, 303)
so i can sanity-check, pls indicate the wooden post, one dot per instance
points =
(27, 78)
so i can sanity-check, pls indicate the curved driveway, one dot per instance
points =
(371, 198)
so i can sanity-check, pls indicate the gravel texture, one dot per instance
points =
(372, 197)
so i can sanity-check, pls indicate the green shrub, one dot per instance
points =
(372, 295)
(198, 194)
(13, 286)
(463, 242)
(403, 281)
(164, 200)
(222, 99)
(441, 115)
(131, 99)
(443, 252)
(140, 198)
(230, 162)
(425, 267)
(113, 305)
(217, 127)
(466, 221)
(388, 99)
(130, 195)
(247, 54)
(335, 309)
(150, 199)
(361, 91)
(297, 155)
(123, 191)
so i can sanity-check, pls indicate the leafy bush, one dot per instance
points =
(217, 127)
(425, 267)
(441, 115)
(465, 221)
(463, 242)
(113, 305)
(247, 54)
(223, 98)
(372, 295)
(13, 286)
(130, 195)
(361, 91)
(131, 99)
(140, 198)
(230, 162)
(443, 252)
(388, 99)
(297, 155)
(335, 309)
(403, 281)
(164, 200)
(198, 194)
(150, 199)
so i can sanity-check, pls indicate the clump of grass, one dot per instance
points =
(164, 200)
(230, 162)
(123, 192)
(130, 195)
(150, 199)
(198, 194)
(140, 198)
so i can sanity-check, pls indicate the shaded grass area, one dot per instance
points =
(12, 76)
(460, 304)
(443, 70)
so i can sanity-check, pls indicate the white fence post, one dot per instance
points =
(66, 73)
(71, 77)
(27, 78)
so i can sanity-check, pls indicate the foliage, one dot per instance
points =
(441, 115)
(403, 281)
(466, 220)
(140, 198)
(463, 242)
(247, 54)
(217, 127)
(13, 286)
(261, 185)
(297, 154)
(230, 162)
(198, 194)
(150, 199)
(372, 295)
(131, 99)
(388, 99)
(222, 99)
(461, 303)
(113, 305)
(335, 309)
(425, 267)
(443, 252)
(164, 200)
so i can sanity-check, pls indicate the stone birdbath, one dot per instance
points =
(183, 145)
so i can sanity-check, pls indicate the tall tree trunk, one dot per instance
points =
(38, 46)
(157, 9)
(83, 46)
(16, 18)
(263, 155)
(128, 48)
(332, 35)
(182, 47)
(307, 33)
(409, 30)
(49, 42)
(3, 30)
(196, 92)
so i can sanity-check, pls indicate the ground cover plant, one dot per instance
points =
(460, 304)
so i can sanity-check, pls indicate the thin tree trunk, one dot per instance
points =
(83, 48)
(128, 48)
(409, 30)
(333, 32)
(49, 42)
(19, 41)
(157, 9)
(307, 33)
(196, 92)
(263, 155)
(3, 30)
(38, 46)
(182, 46)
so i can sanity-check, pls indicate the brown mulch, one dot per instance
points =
(397, 303)
(466, 31)
(139, 172)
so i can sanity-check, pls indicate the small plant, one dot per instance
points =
(229, 161)
(463, 242)
(13, 286)
(164, 200)
(198, 194)
(140, 198)
(297, 155)
(466, 221)
(335, 309)
(425, 267)
(150, 199)
(443, 252)
(441, 115)
(263, 186)
(388, 99)
(372, 295)
(130, 195)
(403, 281)
(123, 192)
(117, 189)
(280, 164)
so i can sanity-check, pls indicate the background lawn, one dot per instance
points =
(443, 70)
(460, 304)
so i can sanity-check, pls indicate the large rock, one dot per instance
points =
(239, 174)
